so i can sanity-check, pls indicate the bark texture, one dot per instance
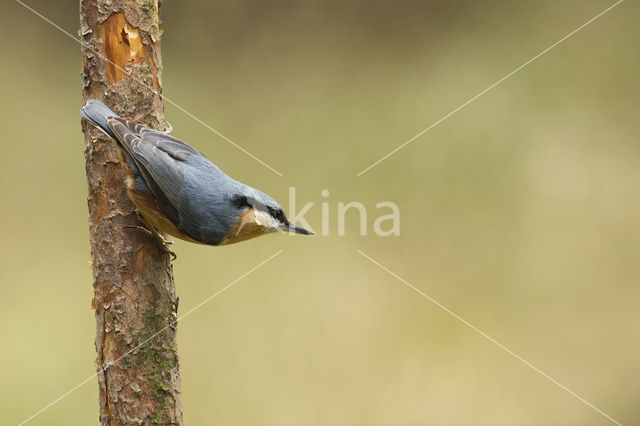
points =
(134, 295)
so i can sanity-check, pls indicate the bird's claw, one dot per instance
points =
(170, 252)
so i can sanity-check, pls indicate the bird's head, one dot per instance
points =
(258, 214)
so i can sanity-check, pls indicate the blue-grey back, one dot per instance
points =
(206, 208)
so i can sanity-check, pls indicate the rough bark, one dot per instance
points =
(134, 295)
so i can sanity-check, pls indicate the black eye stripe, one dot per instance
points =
(241, 201)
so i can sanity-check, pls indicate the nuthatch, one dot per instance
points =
(178, 191)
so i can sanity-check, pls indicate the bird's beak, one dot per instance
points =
(299, 230)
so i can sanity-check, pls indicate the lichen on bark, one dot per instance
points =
(134, 295)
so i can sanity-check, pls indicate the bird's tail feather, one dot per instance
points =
(96, 113)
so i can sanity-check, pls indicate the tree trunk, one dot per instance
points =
(134, 295)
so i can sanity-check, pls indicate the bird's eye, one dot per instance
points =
(278, 214)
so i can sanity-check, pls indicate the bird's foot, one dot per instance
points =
(165, 248)
(164, 245)
(142, 229)
(153, 233)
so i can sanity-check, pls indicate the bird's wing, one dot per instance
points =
(160, 158)
(129, 130)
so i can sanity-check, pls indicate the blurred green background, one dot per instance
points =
(520, 213)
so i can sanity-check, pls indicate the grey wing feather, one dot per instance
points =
(164, 170)
(167, 143)
(172, 146)
(161, 160)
